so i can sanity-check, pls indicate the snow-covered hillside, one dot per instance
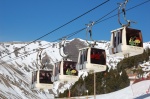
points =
(19, 59)
(139, 90)
(16, 69)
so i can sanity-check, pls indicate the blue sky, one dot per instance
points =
(27, 20)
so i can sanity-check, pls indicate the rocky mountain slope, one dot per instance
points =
(19, 59)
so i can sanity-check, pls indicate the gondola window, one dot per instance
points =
(98, 56)
(45, 77)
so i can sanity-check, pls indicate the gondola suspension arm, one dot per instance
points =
(62, 45)
(39, 58)
(122, 7)
(89, 30)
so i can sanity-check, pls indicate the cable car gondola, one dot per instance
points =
(91, 58)
(125, 41)
(42, 78)
(67, 69)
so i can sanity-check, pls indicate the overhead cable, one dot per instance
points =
(60, 26)
(74, 33)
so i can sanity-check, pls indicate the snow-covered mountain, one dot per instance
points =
(19, 59)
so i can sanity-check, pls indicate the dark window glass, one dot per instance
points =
(34, 76)
(114, 41)
(58, 66)
(57, 69)
(98, 56)
(45, 77)
(117, 36)
(134, 37)
(70, 68)
(83, 56)
(120, 33)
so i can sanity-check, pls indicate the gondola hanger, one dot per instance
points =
(61, 46)
(122, 7)
(39, 59)
(89, 31)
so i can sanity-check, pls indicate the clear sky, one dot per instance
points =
(27, 20)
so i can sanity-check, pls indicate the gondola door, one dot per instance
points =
(116, 41)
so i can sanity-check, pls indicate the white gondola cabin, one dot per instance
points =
(67, 71)
(91, 58)
(126, 42)
(42, 79)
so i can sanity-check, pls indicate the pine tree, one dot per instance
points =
(99, 83)
(89, 80)
(109, 82)
(118, 81)
(75, 89)
(124, 80)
